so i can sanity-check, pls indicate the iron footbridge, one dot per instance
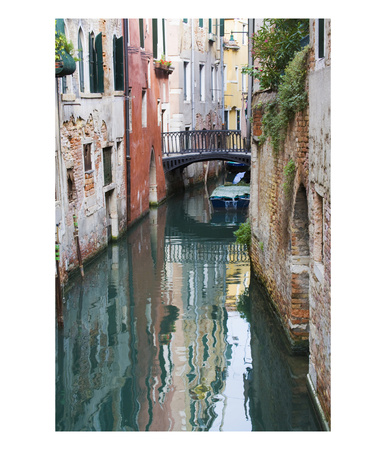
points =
(181, 148)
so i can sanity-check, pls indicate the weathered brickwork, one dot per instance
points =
(291, 235)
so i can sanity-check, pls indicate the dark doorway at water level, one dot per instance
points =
(167, 333)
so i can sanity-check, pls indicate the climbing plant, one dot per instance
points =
(273, 46)
(289, 177)
(291, 98)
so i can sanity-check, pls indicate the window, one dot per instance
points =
(107, 167)
(238, 119)
(155, 37)
(202, 82)
(225, 77)
(144, 108)
(186, 81)
(70, 185)
(210, 26)
(96, 63)
(318, 228)
(118, 63)
(141, 34)
(226, 119)
(237, 74)
(201, 23)
(87, 157)
(212, 86)
(243, 82)
(80, 62)
(321, 38)
(185, 20)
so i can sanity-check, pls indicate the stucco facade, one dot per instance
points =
(90, 168)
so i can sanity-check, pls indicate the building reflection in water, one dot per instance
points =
(153, 339)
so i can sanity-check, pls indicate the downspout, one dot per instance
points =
(251, 26)
(193, 90)
(127, 120)
(222, 79)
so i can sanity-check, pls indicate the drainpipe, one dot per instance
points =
(193, 90)
(127, 119)
(251, 26)
(222, 78)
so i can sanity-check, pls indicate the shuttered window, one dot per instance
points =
(210, 26)
(201, 23)
(96, 63)
(141, 35)
(321, 38)
(222, 27)
(155, 38)
(81, 62)
(107, 168)
(118, 63)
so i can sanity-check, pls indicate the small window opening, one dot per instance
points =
(87, 157)
(70, 185)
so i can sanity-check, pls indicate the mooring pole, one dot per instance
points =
(76, 236)
(59, 299)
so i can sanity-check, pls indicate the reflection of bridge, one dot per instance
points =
(207, 251)
(181, 148)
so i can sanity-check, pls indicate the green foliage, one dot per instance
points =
(289, 176)
(243, 234)
(273, 46)
(261, 245)
(291, 98)
(62, 45)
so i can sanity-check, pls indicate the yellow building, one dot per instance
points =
(235, 82)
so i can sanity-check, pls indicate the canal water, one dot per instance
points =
(168, 331)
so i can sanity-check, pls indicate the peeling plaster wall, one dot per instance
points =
(95, 119)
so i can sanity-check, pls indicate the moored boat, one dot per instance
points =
(230, 197)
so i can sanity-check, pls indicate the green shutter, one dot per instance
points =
(210, 26)
(81, 68)
(201, 23)
(119, 85)
(99, 61)
(222, 27)
(163, 37)
(321, 38)
(185, 20)
(91, 62)
(141, 37)
(155, 37)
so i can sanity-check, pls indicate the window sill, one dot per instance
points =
(68, 97)
(109, 187)
(119, 93)
(91, 95)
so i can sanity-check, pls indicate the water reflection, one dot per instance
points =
(157, 335)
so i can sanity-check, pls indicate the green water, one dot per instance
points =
(168, 331)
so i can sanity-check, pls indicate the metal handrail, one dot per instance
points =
(199, 141)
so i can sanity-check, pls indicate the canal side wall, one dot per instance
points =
(291, 234)
(90, 144)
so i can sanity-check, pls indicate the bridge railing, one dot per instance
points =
(198, 141)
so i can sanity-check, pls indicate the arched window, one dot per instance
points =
(81, 60)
